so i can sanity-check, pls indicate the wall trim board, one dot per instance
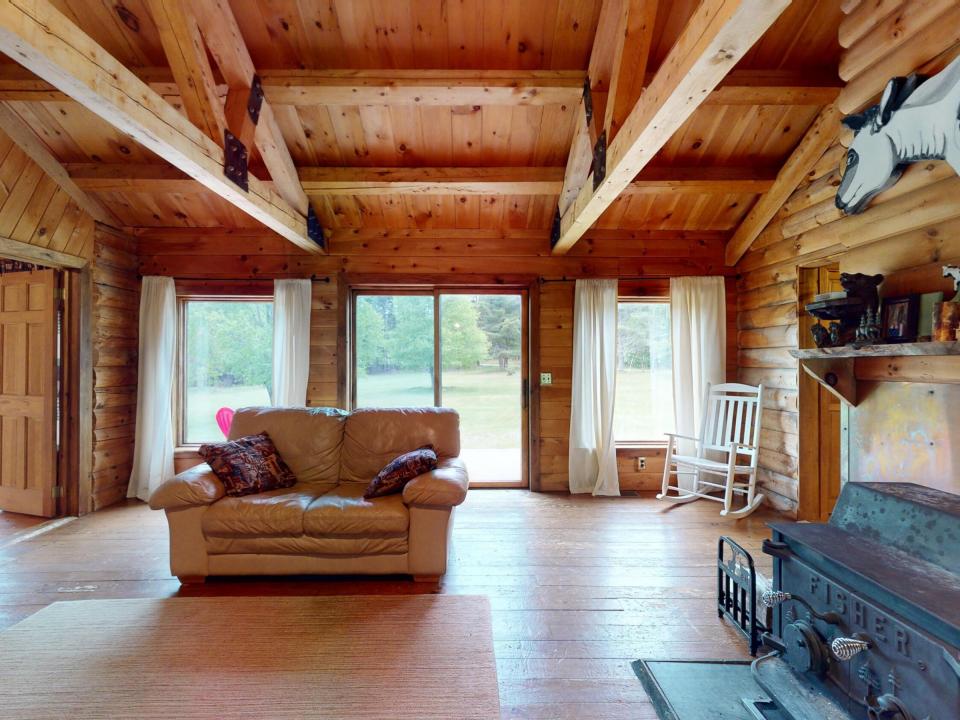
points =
(26, 252)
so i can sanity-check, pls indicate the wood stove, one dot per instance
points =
(867, 606)
(866, 622)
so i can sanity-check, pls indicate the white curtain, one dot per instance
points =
(593, 453)
(153, 448)
(291, 342)
(698, 319)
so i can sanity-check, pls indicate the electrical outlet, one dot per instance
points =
(641, 463)
(546, 378)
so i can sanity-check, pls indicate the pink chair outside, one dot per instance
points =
(225, 420)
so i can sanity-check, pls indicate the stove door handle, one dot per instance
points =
(776, 548)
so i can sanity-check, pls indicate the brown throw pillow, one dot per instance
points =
(248, 465)
(401, 470)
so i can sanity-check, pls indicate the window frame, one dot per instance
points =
(180, 351)
(659, 298)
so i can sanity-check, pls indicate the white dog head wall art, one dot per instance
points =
(917, 118)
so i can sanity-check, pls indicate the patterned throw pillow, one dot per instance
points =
(248, 465)
(401, 470)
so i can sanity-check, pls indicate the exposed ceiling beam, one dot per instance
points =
(631, 53)
(158, 179)
(27, 140)
(187, 55)
(222, 35)
(39, 37)
(820, 136)
(25, 252)
(714, 39)
(449, 87)
(591, 108)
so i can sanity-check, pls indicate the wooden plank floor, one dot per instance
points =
(579, 587)
(13, 525)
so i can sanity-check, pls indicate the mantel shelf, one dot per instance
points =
(837, 369)
(890, 350)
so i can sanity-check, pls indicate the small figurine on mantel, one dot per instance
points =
(868, 333)
(946, 314)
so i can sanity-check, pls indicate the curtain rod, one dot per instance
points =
(622, 277)
(191, 278)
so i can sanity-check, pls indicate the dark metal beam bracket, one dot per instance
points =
(255, 102)
(315, 229)
(600, 160)
(587, 100)
(555, 229)
(235, 160)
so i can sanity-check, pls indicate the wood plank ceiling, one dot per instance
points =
(479, 142)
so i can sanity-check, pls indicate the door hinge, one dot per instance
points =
(56, 491)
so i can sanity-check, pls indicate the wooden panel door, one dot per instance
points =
(28, 392)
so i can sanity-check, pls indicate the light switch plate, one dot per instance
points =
(546, 378)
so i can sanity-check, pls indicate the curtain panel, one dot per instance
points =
(698, 319)
(291, 342)
(593, 454)
(153, 440)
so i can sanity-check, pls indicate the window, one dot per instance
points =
(226, 360)
(644, 403)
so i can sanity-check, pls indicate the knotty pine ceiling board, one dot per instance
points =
(412, 34)
(444, 136)
(743, 135)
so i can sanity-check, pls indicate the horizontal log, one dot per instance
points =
(783, 336)
(863, 18)
(890, 33)
(929, 51)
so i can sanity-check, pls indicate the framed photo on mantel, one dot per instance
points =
(900, 315)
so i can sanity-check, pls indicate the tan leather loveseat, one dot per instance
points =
(322, 525)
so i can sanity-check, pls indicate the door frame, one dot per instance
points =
(527, 287)
(811, 480)
(75, 459)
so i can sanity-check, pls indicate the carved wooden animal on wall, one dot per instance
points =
(918, 118)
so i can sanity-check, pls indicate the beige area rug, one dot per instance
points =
(270, 658)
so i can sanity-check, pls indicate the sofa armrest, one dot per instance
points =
(444, 487)
(196, 486)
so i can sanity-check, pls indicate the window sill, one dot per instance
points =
(186, 451)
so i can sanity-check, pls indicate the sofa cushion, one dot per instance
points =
(373, 437)
(248, 465)
(306, 545)
(308, 439)
(279, 512)
(344, 512)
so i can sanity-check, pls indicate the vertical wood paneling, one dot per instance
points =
(322, 388)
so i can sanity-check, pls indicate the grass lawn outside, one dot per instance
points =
(488, 400)
(644, 406)
(203, 403)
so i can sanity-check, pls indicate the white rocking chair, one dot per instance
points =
(729, 431)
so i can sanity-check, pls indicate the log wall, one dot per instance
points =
(906, 233)
(114, 329)
(422, 256)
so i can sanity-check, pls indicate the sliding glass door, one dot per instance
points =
(456, 348)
